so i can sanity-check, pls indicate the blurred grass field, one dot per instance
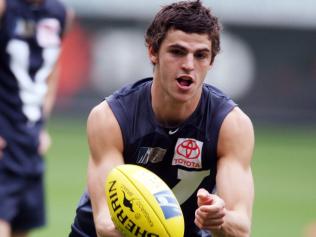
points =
(284, 168)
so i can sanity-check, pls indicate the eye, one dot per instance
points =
(177, 52)
(202, 55)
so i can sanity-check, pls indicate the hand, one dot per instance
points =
(107, 229)
(2, 146)
(210, 212)
(44, 142)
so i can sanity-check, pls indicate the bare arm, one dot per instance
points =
(106, 148)
(231, 207)
(2, 141)
(2, 146)
(2, 8)
(50, 97)
(52, 81)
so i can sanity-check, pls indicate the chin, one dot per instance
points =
(183, 98)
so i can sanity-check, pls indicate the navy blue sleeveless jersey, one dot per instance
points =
(30, 41)
(185, 156)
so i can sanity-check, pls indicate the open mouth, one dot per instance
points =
(185, 81)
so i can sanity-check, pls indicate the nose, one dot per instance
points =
(188, 63)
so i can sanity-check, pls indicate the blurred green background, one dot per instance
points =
(284, 168)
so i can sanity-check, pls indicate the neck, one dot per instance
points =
(167, 110)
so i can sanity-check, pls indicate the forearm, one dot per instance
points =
(96, 179)
(2, 8)
(54, 76)
(235, 225)
(96, 182)
(49, 101)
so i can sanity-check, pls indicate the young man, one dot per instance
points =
(30, 40)
(189, 133)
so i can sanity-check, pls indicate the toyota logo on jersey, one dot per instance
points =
(188, 153)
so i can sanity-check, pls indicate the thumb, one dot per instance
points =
(45, 142)
(2, 146)
(2, 143)
(204, 197)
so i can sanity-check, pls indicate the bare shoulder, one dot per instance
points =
(2, 7)
(101, 118)
(99, 111)
(237, 122)
(236, 138)
(103, 131)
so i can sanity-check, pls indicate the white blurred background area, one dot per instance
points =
(267, 61)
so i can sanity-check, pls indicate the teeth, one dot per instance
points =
(185, 78)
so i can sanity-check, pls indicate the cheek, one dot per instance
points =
(166, 72)
(201, 74)
(202, 69)
(167, 65)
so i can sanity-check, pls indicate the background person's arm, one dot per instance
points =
(52, 86)
(52, 81)
(2, 8)
(2, 141)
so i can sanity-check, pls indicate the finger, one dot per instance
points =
(2, 143)
(208, 224)
(220, 213)
(2, 146)
(45, 142)
(211, 208)
(211, 224)
(204, 197)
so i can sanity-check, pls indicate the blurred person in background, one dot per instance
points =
(31, 33)
(183, 130)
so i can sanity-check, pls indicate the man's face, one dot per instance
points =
(182, 64)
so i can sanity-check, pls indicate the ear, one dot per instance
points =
(152, 55)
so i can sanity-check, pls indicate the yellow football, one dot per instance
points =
(141, 203)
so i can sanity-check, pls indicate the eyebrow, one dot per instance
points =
(178, 46)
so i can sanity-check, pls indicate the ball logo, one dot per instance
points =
(188, 153)
(123, 213)
(168, 204)
(127, 203)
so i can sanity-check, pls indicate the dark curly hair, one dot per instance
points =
(187, 16)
